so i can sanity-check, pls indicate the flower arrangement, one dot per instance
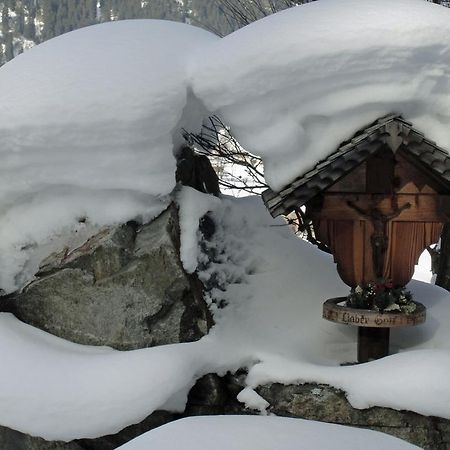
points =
(382, 297)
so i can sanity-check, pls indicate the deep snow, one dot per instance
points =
(90, 120)
(295, 84)
(88, 125)
(261, 433)
(88, 130)
(273, 285)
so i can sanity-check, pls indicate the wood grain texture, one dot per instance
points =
(335, 312)
(423, 207)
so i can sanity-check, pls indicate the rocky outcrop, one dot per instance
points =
(326, 404)
(124, 287)
(14, 440)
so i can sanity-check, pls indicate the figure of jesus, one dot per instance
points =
(379, 238)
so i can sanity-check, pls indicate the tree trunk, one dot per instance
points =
(443, 273)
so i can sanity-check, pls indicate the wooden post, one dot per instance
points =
(373, 343)
(373, 326)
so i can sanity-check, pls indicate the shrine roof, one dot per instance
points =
(392, 130)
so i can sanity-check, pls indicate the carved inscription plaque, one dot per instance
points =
(335, 311)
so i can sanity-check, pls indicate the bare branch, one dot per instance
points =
(216, 141)
(242, 12)
(305, 229)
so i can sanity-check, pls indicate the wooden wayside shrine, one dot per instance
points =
(377, 202)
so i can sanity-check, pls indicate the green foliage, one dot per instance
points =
(383, 297)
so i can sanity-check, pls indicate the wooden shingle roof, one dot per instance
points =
(391, 130)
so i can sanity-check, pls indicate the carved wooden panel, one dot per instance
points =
(355, 181)
(410, 180)
(347, 241)
(423, 207)
(407, 242)
(380, 172)
(379, 218)
(350, 243)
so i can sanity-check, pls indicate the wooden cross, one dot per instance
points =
(379, 238)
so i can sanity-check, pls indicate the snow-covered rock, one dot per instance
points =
(88, 125)
(125, 287)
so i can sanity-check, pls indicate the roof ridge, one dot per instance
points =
(354, 151)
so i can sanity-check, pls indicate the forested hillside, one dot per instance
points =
(29, 22)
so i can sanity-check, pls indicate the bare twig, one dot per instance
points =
(305, 229)
(242, 12)
(216, 141)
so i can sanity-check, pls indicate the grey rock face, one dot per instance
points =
(14, 440)
(110, 442)
(217, 395)
(326, 404)
(124, 287)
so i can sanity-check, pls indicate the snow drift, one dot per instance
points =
(273, 286)
(296, 84)
(89, 124)
(262, 433)
(90, 120)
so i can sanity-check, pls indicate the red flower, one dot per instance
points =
(388, 285)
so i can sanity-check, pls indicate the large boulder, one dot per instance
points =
(125, 287)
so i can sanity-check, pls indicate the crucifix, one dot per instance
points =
(379, 239)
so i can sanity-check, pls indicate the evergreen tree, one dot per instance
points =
(20, 21)
(39, 20)
(5, 19)
(49, 10)
(9, 46)
(2, 55)
(62, 24)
